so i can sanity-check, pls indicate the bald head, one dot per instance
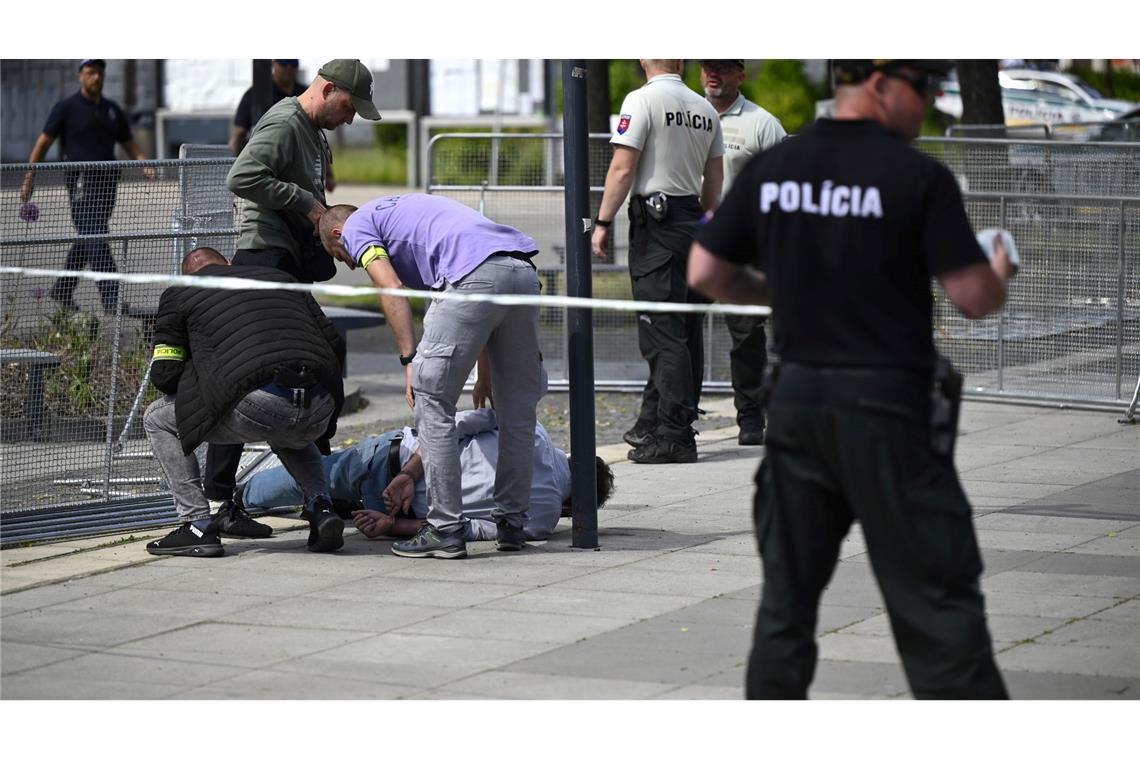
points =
(656, 66)
(201, 257)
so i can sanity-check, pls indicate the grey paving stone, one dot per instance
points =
(497, 684)
(47, 596)
(1005, 629)
(978, 454)
(1128, 612)
(498, 571)
(635, 580)
(585, 602)
(420, 592)
(1026, 685)
(1085, 564)
(313, 611)
(751, 593)
(703, 691)
(982, 489)
(91, 629)
(216, 575)
(1018, 540)
(696, 560)
(109, 668)
(1116, 661)
(31, 686)
(480, 624)
(594, 660)
(1062, 584)
(1018, 471)
(1044, 604)
(855, 648)
(1097, 633)
(720, 610)
(1074, 526)
(17, 656)
(422, 661)
(859, 679)
(681, 637)
(1126, 543)
(1096, 461)
(239, 645)
(168, 603)
(837, 617)
(274, 684)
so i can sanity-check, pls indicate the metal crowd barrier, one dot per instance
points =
(1070, 333)
(74, 357)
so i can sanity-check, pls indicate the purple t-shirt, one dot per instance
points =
(430, 239)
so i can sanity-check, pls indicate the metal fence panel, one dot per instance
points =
(72, 380)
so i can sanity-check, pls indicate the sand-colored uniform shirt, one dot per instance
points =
(748, 129)
(677, 132)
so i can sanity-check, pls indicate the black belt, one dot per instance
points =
(899, 392)
(521, 256)
(394, 455)
(299, 396)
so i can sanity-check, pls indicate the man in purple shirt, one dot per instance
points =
(427, 242)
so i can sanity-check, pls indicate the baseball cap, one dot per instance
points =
(288, 61)
(92, 62)
(855, 71)
(725, 62)
(355, 77)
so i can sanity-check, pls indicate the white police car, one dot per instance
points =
(1042, 97)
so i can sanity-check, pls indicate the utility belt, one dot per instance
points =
(660, 207)
(299, 386)
(930, 399)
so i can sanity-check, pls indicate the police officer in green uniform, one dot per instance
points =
(667, 150)
(748, 129)
(845, 225)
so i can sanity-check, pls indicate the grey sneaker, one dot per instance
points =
(510, 538)
(430, 542)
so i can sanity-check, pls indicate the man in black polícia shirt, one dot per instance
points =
(844, 226)
(88, 126)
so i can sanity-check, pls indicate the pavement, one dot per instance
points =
(663, 610)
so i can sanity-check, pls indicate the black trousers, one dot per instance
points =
(224, 459)
(748, 358)
(672, 344)
(91, 195)
(850, 445)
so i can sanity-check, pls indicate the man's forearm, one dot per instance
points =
(619, 179)
(398, 312)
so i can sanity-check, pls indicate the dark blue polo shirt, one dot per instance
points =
(88, 131)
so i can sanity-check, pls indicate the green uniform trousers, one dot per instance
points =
(852, 444)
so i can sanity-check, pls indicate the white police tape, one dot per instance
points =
(237, 283)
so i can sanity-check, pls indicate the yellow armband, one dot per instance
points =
(373, 253)
(173, 353)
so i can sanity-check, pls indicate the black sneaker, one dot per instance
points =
(188, 540)
(751, 436)
(233, 520)
(510, 538)
(641, 434)
(326, 530)
(430, 542)
(665, 451)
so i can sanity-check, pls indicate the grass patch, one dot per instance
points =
(370, 166)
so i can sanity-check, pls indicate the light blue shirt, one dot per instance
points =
(478, 434)
(430, 240)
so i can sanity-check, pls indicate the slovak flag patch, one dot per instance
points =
(623, 124)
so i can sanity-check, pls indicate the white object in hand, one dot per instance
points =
(986, 241)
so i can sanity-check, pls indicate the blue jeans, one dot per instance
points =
(289, 430)
(357, 474)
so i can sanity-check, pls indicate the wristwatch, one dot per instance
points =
(406, 360)
(598, 222)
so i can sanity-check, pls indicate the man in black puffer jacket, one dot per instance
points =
(243, 366)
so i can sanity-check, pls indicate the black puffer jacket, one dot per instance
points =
(234, 341)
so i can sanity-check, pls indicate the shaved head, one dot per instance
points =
(201, 257)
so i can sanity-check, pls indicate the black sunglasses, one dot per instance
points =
(926, 85)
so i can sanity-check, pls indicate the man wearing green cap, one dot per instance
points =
(281, 176)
